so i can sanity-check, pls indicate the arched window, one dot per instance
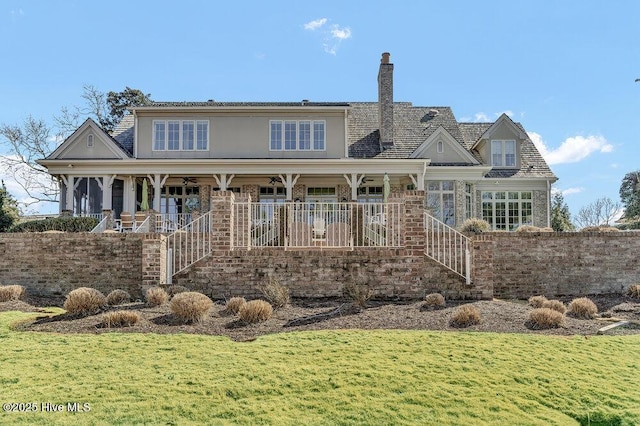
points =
(440, 147)
(90, 141)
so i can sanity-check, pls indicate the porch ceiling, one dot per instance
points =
(193, 167)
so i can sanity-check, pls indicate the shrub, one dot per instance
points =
(156, 296)
(234, 304)
(118, 297)
(357, 291)
(120, 319)
(255, 311)
(582, 307)
(172, 290)
(556, 305)
(275, 293)
(634, 291)
(465, 316)
(542, 318)
(64, 223)
(475, 225)
(434, 301)
(12, 292)
(84, 300)
(537, 301)
(600, 228)
(191, 306)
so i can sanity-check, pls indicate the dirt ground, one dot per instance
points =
(503, 316)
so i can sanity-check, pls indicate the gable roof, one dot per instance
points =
(112, 144)
(442, 134)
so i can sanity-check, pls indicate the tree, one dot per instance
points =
(600, 212)
(35, 139)
(560, 215)
(630, 194)
(28, 143)
(9, 212)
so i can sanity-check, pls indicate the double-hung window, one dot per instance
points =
(503, 153)
(180, 135)
(297, 135)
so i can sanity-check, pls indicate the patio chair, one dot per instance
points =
(140, 217)
(319, 228)
(300, 234)
(338, 235)
(126, 222)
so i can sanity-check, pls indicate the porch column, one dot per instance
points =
(354, 182)
(68, 182)
(105, 185)
(129, 202)
(157, 182)
(222, 181)
(289, 181)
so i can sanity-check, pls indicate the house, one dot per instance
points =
(332, 152)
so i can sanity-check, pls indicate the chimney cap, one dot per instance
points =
(385, 58)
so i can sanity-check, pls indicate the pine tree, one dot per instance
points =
(8, 209)
(560, 215)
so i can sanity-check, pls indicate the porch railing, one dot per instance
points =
(101, 226)
(447, 246)
(171, 222)
(144, 226)
(317, 225)
(189, 244)
(98, 216)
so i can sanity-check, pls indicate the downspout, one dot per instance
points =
(548, 204)
(135, 134)
(346, 133)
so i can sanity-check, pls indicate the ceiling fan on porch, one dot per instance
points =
(187, 180)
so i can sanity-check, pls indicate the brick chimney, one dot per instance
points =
(385, 102)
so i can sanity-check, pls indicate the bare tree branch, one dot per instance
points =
(602, 211)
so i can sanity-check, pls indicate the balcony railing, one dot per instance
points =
(317, 225)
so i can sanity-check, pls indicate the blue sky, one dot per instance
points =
(565, 70)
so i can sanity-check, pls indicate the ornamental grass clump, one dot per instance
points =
(85, 301)
(234, 304)
(119, 319)
(544, 318)
(556, 305)
(172, 290)
(275, 293)
(634, 291)
(156, 296)
(465, 316)
(357, 291)
(191, 306)
(537, 301)
(255, 311)
(582, 308)
(12, 292)
(118, 297)
(433, 301)
(475, 225)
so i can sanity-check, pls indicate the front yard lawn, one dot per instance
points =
(320, 377)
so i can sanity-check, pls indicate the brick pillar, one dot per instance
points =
(413, 232)
(110, 219)
(154, 265)
(222, 219)
(481, 247)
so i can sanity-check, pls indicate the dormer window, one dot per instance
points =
(90, 141)
(503, 153)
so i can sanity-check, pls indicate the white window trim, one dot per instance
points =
(90, 141)
(312, 141)
(503, 152)
(180, 136)
(506, 200)
(440, 147)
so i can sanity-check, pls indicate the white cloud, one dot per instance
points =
(332, 36)
(573, 149)
(481, 117)
(570, 191)
(314, 25)
(340, 33)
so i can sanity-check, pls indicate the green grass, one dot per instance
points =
(332, 377)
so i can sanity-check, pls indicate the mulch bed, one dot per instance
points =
(496, 316)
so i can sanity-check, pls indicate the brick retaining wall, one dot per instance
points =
(55, 264)
(521, 265)
(390, 274)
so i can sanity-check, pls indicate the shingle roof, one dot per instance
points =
(123, 133)
(247, 104)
